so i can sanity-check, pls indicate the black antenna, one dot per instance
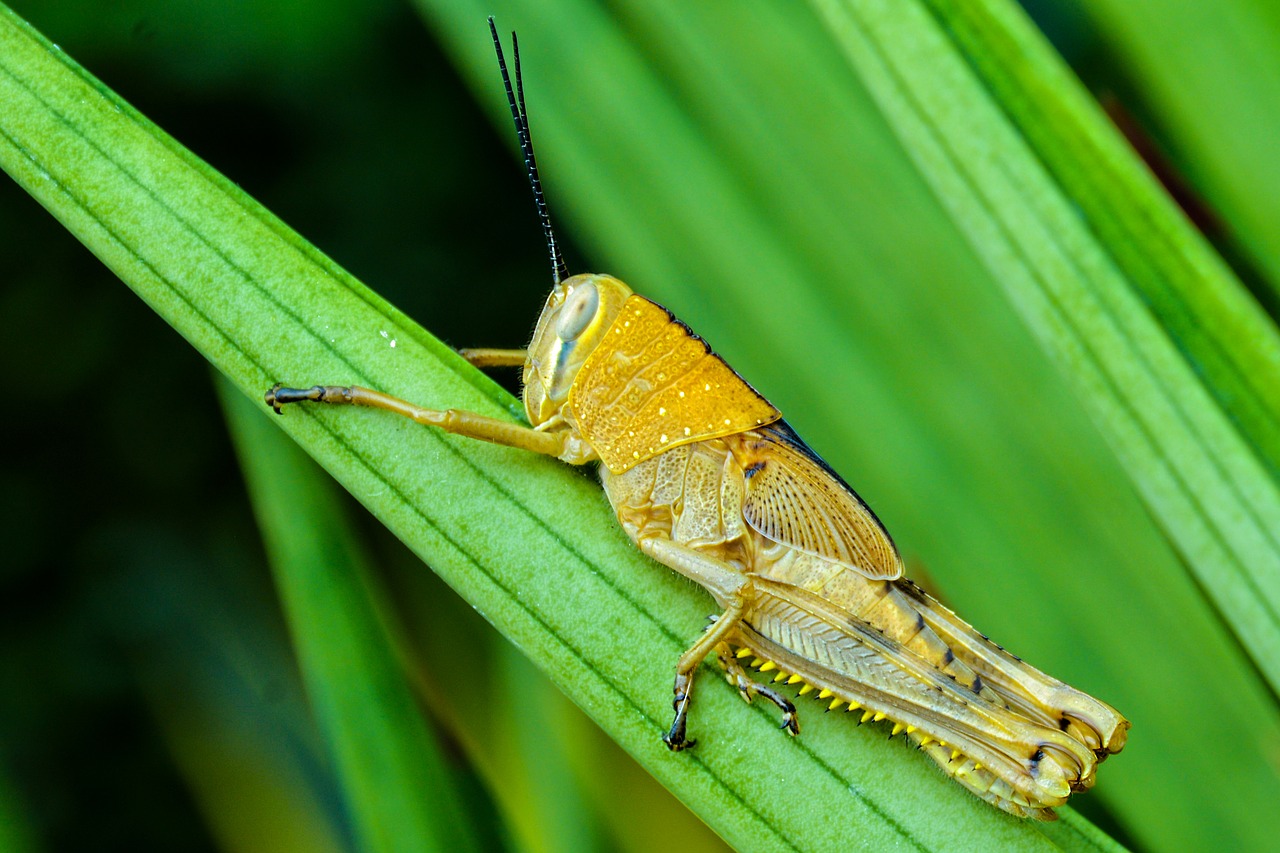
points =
(521, 118)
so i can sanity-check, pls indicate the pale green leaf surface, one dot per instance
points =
(395, 780)
(528, 542)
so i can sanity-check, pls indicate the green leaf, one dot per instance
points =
(397, 786)
(256, 778)
(529, 542)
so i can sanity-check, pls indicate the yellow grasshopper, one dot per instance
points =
(706, 478)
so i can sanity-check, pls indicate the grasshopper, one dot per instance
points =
(708, 479)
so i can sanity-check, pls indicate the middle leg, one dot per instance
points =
(731, 588)
(683, 688)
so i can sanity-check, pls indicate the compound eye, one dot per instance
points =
(578, 311)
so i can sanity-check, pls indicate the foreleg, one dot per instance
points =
(483, 358)
(458, 422)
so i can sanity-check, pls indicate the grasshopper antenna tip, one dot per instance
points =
(520, 116)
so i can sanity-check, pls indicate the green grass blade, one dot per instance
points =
(1205, 77)
(528, 542)
(398, 789)
(258, 779)
(542, 743)
(1209, 317)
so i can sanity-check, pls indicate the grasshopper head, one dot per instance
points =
(577, 316)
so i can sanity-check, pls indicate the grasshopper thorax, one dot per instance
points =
(577, 317)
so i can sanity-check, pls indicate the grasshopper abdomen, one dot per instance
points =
(859, 643)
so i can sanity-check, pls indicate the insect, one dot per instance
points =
(706, 478)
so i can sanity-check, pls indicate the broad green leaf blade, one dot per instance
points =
(396, 782)
(733, 166)
(528, 542)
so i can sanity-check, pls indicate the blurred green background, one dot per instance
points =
(149, 694)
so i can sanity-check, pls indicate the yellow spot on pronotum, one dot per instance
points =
(825, 694)
(742, 653)
(663, 438)
(897, 729)
(835, 703)
(794, 679)
(706, 387)
(808, 688)
(687, 431)
(866, 715)
(768, 665)
(662, 411)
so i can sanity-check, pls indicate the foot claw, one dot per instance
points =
(677, 743)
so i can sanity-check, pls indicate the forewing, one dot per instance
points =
(792, 497)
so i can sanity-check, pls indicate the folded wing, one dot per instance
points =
(792, 497)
